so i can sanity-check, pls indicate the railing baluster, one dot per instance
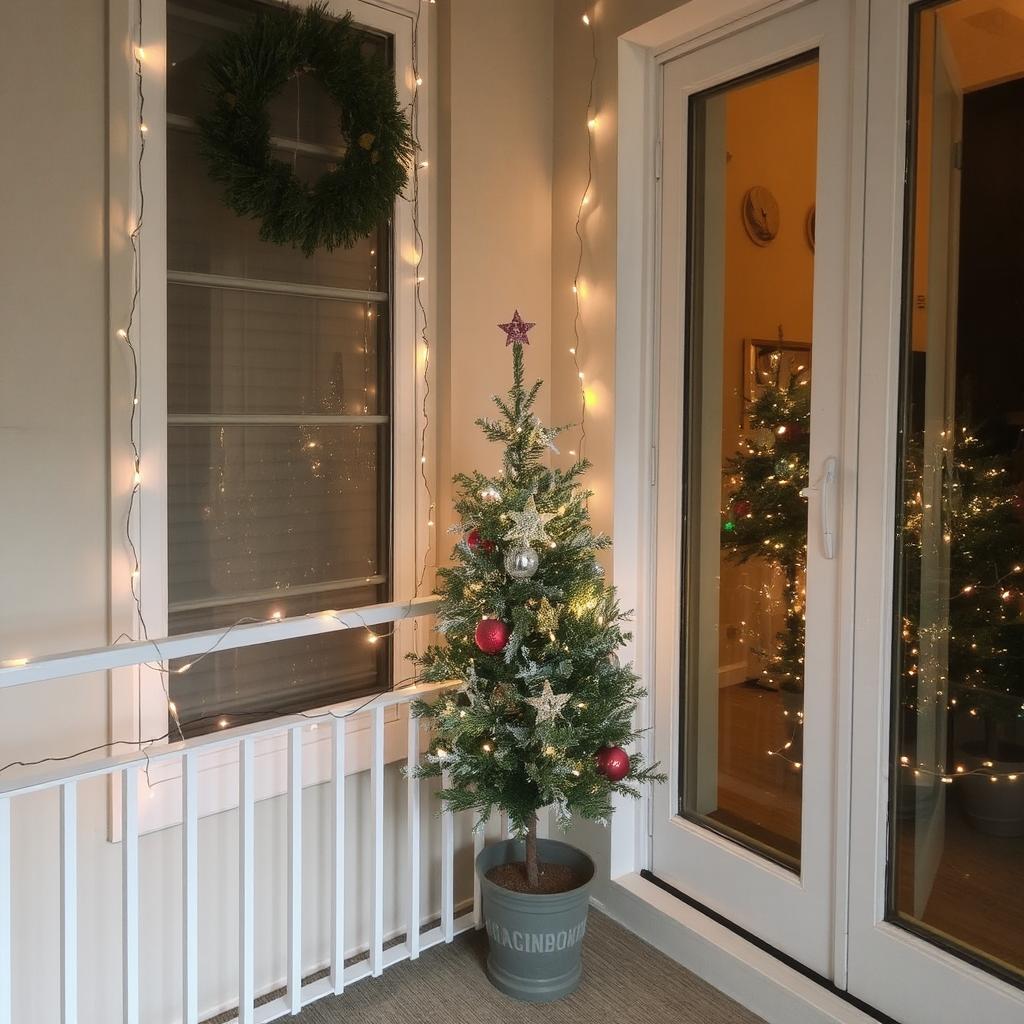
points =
(246, 879)
(6, 914)
(190, 886)
(377, 814)
(338, 856)
(478, 845)
(69, 903)
(130, 895)
(412, 914)
(294, 996)
(447, 868)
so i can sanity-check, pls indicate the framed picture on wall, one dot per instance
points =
(765, 362)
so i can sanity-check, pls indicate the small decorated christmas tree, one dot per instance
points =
(766, 518)
(544, 708)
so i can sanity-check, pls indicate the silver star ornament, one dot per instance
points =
(529, 524)
(549, 704)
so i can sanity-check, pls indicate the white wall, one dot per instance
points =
(54, 512)
(498, 61)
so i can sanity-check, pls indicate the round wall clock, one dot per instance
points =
(760, 215)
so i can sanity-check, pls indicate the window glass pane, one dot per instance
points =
(957, 832)
(279, 428)
(204, 236)
(202, 233)
(249, 352)
(229, 688)
(253, 508)
(752, 187)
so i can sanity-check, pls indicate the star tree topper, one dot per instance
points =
(549, 704)
(529, 524)
(516, 330)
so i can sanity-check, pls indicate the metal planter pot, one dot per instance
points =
(535, 940)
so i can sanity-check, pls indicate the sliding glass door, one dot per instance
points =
(754, 348)
(936, 906)
(839, 591)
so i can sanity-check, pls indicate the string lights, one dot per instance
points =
(577, 285)
(419, 164)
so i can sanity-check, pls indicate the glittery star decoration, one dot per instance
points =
(516, 329)
(529, 524)
(548, 704)
(547, 617)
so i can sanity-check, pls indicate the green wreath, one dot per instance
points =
(347, 202)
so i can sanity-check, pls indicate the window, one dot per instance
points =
(295, 384)
(279, 413)
(748, 461)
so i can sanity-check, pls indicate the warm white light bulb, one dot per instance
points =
(592, 123)
(586, 19)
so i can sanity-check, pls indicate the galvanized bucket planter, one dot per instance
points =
(535, 940)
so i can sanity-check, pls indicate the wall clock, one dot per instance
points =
(760, 215)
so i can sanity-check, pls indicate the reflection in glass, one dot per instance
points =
(957, 835)
(752, 192)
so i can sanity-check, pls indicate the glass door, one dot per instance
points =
(937, 822)
(753, 358)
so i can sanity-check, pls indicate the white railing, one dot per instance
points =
(65, 778)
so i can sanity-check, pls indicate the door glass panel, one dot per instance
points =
(957, 833)
(751, 258)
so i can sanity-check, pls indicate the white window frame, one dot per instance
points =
(137, 698)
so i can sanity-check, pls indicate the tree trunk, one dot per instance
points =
(532, 864)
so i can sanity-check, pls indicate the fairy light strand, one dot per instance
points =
(591, 126)
(420, 308)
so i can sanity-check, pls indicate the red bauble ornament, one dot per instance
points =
(491, 635)
(792, 432)
(478, 543)
(613, 763)
(741, 509)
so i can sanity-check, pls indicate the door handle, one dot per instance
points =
(827, 508)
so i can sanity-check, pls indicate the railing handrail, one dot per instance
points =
(19, 671)
(150, 756)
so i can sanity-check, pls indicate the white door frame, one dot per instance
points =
(900, 973)
(792, 912)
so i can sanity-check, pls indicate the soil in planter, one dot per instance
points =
(553, 878)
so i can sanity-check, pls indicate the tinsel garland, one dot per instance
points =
(247, 69)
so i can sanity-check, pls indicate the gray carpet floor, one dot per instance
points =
(625, 981)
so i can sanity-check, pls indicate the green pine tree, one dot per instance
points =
(523, 729)
(766, 518)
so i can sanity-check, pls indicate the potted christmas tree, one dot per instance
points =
(544, 708)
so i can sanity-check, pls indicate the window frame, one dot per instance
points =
(136, 696)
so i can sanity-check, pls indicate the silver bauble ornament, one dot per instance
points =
(490, 494)
(521, 562)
